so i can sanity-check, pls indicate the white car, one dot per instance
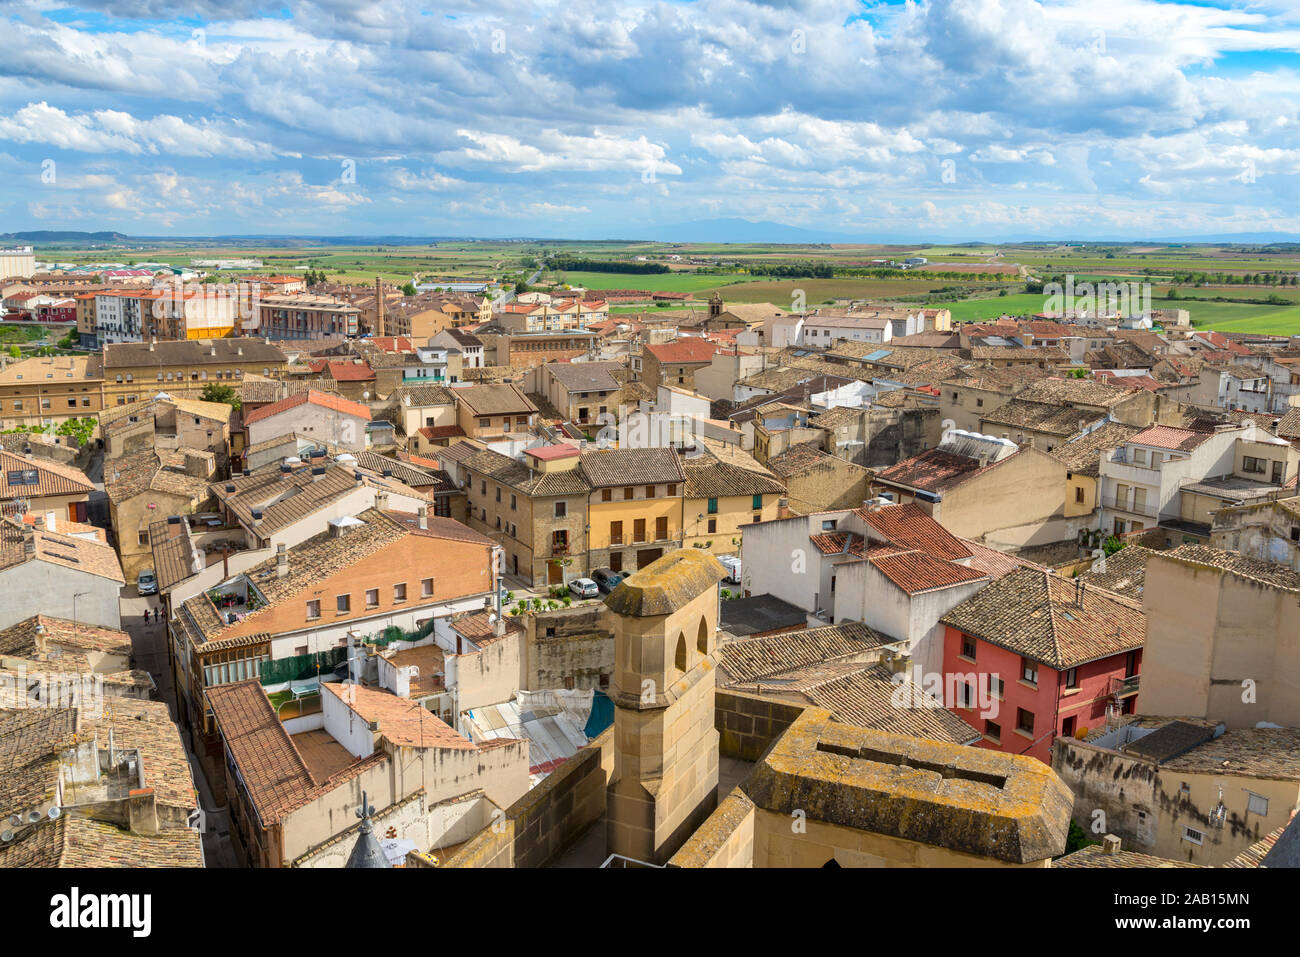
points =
(733, 566)
(584, 588)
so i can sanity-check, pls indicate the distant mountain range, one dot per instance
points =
(726, 230)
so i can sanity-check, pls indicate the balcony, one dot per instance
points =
(559, 548)
(1149, 508)
(1124, 687)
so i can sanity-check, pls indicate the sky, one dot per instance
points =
(938, 120)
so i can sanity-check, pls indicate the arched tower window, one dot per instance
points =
(702, 637)
(681, 652)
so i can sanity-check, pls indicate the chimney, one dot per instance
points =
(239, 350)
(381, 501)
(142, 808)
(1110, 845)
(423, 514)
(257, 517)
(281, 560)
(318, 473)
(29, 541)
(1078, 592)
(499, 626)
(379, 308)
(782, 508)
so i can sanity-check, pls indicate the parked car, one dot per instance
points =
(584, 588)
(146, 583)
(607, 579)
(732, 564)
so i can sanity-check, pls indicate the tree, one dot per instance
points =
(409, 289)
(521, 287)
(15, 352)
(1111, 545)
(216, 392)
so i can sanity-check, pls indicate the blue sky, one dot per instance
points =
(936, 120)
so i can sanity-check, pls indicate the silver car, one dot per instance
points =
(584, 588)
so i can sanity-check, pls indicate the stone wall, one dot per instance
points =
(546, 821)
(748, 724)
(726, 839)
(571, 643)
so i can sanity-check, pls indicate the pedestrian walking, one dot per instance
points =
(146, 616)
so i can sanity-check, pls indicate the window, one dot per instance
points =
(300, 650)
(649, 491)
(607, 495)
(514, 502)
(979, 403)
(372, 598)
(661, 528)
(561, 509)
(1139, 456)
(426, 588)
(758, 502)
(713, 525)
(1078, 494)
(713, 506)
(1256, 803)
(498, 493)
(143, 536)
(672, 491)
(1072, 678)
(344, 604)
(638, 530)
(313, 610)
(1029, 670)
(628, 493)
(18, 405)
(482, 487)
(1251, 464)
(485, 423)
(968, 647)
(616, 533)
(1192, 835)
(1024, 721)
(998, 686)
(993, 731)
(399, 592)
(965, 696)
(1067, 727)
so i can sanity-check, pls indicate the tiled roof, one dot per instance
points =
(403, 722)
(508, 471)
(750, 659)
(498, 398)
(915, 571)
(31, 740)
(1268, 573)
(24, 637)
(931, 471)
(718, 474)
(1165, 437)
(274, 774)
(73, 841)
(996, 564)
(1053, 419)
(587, 376)
(684, 351)
(1094, 855)
(910, 527)
(1082, 455)
(285, 501)
(1269, 753)
(52, 478)
(152, 470)
(424, 395)
(79, 554)
(1124, 572)
(183, 352)
(1056, 621)
(1069, 389)
(606, 468)
(868, 698)
(323, 399)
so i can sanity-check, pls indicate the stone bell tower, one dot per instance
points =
(665, 779)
